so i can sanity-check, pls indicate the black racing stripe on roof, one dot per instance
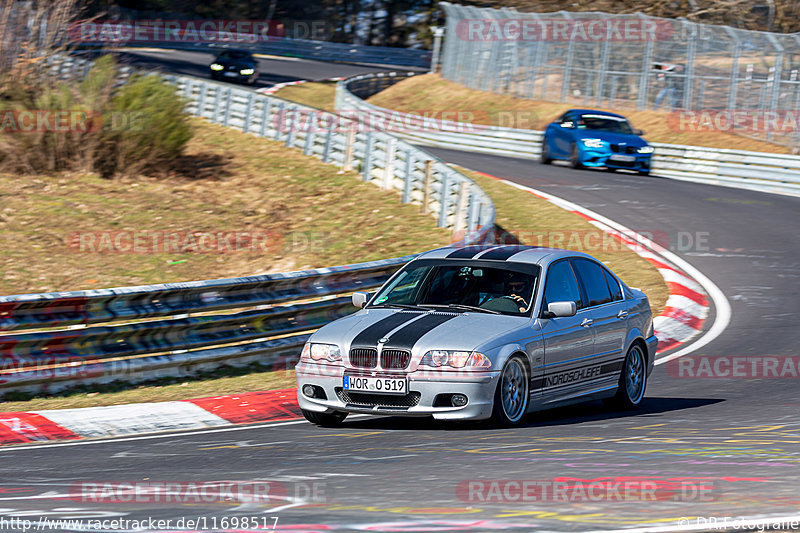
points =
(381, 328)
(501, 254)
(468, 252)
(406, 337)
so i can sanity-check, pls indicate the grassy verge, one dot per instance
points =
(305, 213)
(430, 94)
(319, 94)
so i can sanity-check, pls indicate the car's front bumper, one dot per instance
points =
(479, 388)
(605, 158)
(224, 75)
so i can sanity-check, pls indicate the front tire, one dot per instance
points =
(632, 380)
(326, 420)
(511, 395)
(575, 157)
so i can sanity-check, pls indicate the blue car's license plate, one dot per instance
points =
(620, 157)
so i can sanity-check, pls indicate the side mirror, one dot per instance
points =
(567, 124)
(638, 132)
(558, 309)
(360, 299)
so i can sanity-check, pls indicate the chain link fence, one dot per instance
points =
(711, 76)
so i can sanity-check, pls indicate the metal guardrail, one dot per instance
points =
(767, 172)
(86, 340)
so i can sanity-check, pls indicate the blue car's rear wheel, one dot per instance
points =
(575, 157)
(545, 157)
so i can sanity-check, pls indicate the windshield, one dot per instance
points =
(236, 55)
(480, 286)
(605, 123)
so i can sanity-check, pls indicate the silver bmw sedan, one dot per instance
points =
(482, 332)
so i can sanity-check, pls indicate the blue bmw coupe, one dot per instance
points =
(588, 138)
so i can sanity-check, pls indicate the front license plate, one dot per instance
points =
(375, 385)
(231, 74)
(620, 157)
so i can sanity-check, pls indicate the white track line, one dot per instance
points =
(722, 308)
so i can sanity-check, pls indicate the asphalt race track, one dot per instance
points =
(272, 69)
(711, 447)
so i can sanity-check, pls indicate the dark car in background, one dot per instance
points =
(235, 65)
(588, 138)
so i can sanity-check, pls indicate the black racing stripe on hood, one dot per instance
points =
(501, 254)
(381, 328)
(468, 252)
(406, 337)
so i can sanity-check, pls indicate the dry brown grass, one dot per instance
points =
(229, 181)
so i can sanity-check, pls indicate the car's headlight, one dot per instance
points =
(247, 71)
(321, 352)
(646, 149)
(216, 66)
(455, 359)
(592, 143)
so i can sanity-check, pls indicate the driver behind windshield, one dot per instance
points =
(516, 287)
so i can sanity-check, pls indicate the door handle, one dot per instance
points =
(586, 322)
(622, 314)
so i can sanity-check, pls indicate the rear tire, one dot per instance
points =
(632, 380)
(575, 158)
(511, 395)
(326, 420)
(644, 172)
(545, 158)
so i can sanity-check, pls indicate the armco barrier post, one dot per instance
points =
(366, 171)
(349, 142)
(409, 177)
(293, 111)
(310, 134)
(265, 105)
(217, 102)
(280, 120)
(248, 113)
(228, 101)
(388, 164)
(426, 187)
(201, 102)
(445, 196)
(326, 152)
(461, 206)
